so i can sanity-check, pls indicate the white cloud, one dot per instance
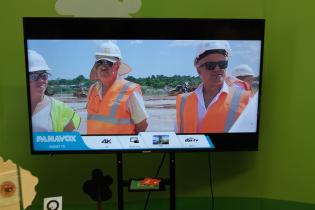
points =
(250, 49)
(247, 52)
(98, 8)
(136, 42)
(99, 42)
(183, 43)
(247, 47)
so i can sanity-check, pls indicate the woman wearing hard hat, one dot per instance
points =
(48, 114)
(214, 106)
(115, 105)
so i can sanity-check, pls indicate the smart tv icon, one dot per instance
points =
(134, 140)
(161, 139)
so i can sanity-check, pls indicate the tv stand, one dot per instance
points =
(121, 183)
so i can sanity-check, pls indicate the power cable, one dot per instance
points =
(156, 175)
(210, 180)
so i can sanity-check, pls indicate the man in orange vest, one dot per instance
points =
(214, 106)
(115, 105)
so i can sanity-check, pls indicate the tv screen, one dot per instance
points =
(135, 85)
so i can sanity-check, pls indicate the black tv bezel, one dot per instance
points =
(147, 29)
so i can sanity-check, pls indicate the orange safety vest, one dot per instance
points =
(109, 114)
(219, 118)
(233, 80)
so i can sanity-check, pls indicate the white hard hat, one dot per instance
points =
(242, 70)
(206, 45)
(111, 52)
(108, 49)
(36, 62)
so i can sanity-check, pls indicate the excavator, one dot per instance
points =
(79, 92)
(179, 89)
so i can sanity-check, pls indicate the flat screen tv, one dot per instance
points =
(100, 85)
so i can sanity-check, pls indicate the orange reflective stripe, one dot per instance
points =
(181, 112)
(121, 94)
(109, 119)
(224, 112)
(231, 116)
(243, 103)
(187, 113)
(110, 114)
(219, 117)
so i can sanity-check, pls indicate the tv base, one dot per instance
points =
(146, 184)
(121, 183)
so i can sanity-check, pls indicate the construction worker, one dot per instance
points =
(48, 114)
(214, 106)
(115, 105)
(245, 73)
(237, 83)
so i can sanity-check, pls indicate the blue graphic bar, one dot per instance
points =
(209, 141)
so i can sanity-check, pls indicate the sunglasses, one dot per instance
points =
(104, 63)
(211, 65)
(36, 76)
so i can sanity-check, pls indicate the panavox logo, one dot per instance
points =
(61, 138)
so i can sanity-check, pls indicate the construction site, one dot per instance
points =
(161, 111)
(160, 103)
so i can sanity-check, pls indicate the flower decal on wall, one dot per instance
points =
(17, 186)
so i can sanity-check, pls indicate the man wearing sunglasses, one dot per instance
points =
(48, 114)
(115, 105)
(214, 106)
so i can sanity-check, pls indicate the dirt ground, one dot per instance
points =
(161, 111)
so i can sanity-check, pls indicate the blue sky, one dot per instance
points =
(71, 58)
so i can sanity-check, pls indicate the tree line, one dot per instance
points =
(154, 81)
(161, 81)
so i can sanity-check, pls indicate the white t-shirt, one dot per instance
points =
(41, 120)
(136, 107)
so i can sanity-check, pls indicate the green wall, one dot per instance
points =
(283, 169)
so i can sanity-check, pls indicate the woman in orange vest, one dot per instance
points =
(115, 105)
(214, 106)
